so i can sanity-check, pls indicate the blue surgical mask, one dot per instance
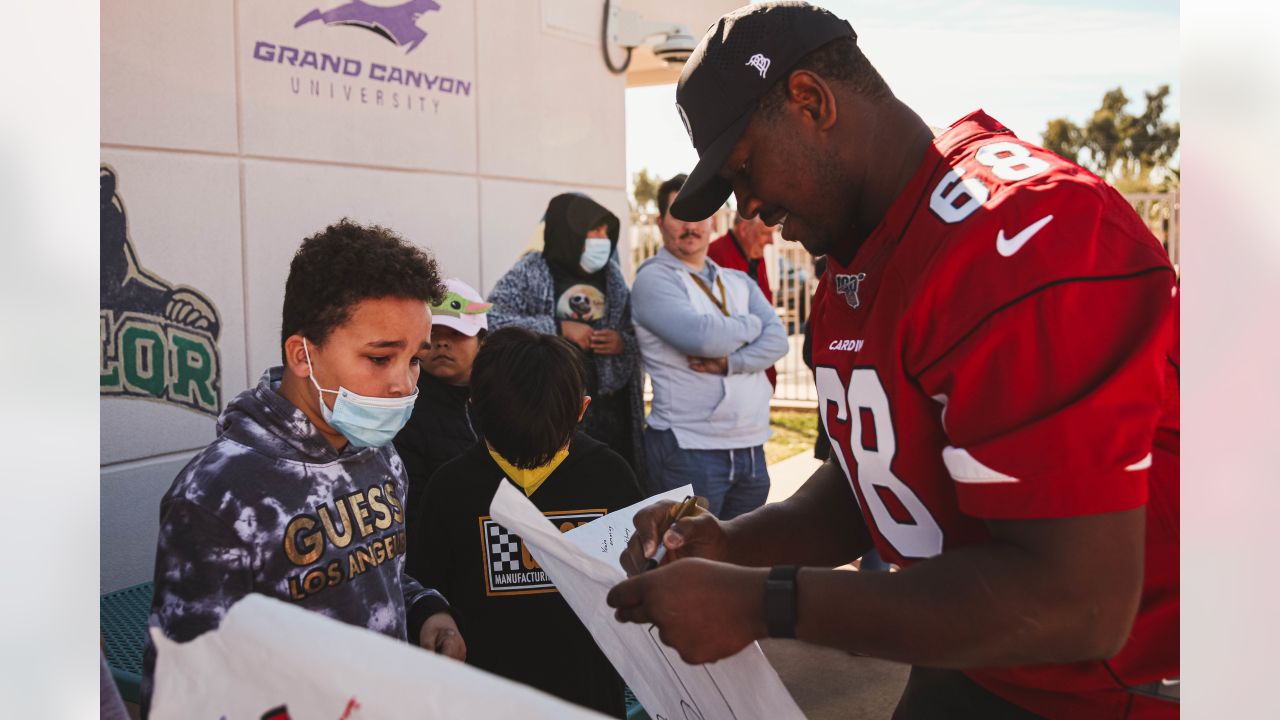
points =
(595, 254)
(364, 421)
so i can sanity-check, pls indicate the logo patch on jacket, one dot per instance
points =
(509, 568)
(847, 285)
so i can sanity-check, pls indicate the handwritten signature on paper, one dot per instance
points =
(606, 543)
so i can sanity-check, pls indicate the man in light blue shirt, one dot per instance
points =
(707, 334)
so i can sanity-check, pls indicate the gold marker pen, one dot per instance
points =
(689, 506)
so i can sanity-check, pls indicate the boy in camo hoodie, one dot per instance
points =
(301, 497)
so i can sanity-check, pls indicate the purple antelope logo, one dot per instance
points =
(398, 24)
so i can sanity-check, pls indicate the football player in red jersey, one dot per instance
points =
(995, 343)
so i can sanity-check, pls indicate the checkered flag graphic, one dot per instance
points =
(504, 550)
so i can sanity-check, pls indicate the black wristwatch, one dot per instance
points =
(780, 600)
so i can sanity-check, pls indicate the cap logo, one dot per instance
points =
(685, 119)
(759, 62)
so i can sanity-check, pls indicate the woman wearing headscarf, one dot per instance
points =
(574, 288)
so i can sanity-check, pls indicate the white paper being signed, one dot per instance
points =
(269, 660)
(583, 564)
(607, 536)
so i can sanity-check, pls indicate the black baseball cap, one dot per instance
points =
(738, 60)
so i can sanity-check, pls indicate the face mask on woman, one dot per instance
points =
(595, 254)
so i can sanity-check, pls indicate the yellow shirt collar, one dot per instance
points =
(531, 479)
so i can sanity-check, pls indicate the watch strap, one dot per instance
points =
(780, 600)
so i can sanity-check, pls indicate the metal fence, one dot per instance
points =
(1162, 213)
(793, 280)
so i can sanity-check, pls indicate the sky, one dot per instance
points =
(1024, 62)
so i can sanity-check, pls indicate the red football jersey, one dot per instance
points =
(1004, 346)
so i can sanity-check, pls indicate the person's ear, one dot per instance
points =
(812, 96)
(586, 400)
(295, 356)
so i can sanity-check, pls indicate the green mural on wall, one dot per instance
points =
(159, 341)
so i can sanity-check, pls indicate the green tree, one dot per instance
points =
(1064, 138)
(644, 190)
(1133, 152)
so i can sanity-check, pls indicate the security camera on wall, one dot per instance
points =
(676, 48)
(629, 29)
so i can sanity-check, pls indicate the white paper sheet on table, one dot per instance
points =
(740, 687)
(268, 655)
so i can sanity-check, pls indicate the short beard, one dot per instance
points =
(826, 170)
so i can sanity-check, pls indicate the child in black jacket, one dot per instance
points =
(527, 389)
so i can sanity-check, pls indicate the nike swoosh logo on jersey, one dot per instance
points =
(1008, 246)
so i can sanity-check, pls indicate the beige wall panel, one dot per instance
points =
(130, 520)
(168, 74)
(550, 110)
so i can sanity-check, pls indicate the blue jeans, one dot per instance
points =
(872, 562)
(734, 482)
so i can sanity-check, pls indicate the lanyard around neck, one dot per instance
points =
(723, 302)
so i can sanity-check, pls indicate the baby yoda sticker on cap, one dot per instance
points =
(462, 308)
